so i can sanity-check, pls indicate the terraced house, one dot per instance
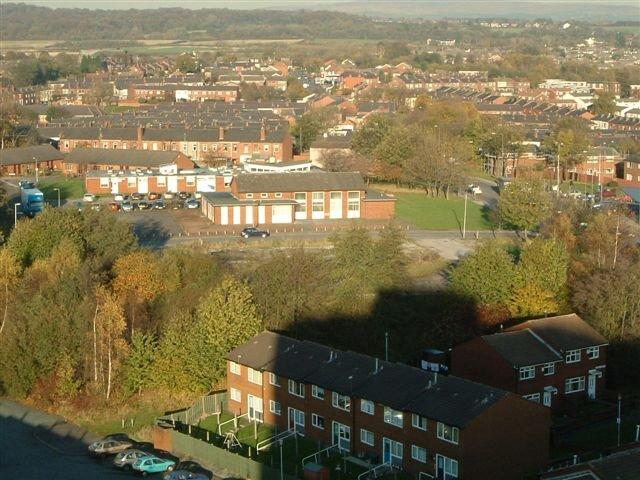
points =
(387, 414)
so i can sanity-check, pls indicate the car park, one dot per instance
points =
(127, 207)
(153, 196)
(127, 458)
(114, 206)
(193, 203)
(144, 205)
(177, 205)
(153, 464)
(108, 446)
(88, 197)
(183, 195)
(159, 205)
(118, 197)
(137, 196)
(168, 195)
(254, 232)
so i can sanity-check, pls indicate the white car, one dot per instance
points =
(474, 189)
(127, 458)
(193, 204)
(197, 195)
(119, 197)
(88, 197)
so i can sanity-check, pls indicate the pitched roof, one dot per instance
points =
(299, 181)
(22, 155)
(522, 348)
(452, 400)
(564, 332)
(104, 156)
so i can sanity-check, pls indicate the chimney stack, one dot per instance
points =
(221, 134)
(263, 133)
(140, 132)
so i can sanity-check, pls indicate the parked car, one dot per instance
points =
(153, 196)
(254, 232)
(193, 203)
(185, 475)
(88, 197)
(197, 195)
(183, 195)
(127, 207)
(144, 205)
(474, 189)
(108, 446)
(114, 206)
(159, 205)
(152, 464)
(118, 197)
(177, 205)
(96, 207)
(168, 195)
(127, 458)
(24, 184)
(137, 196)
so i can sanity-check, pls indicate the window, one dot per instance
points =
(394, 449)
(575, 384)
(301, 199)
(266, 148)
(317, 392)
(273, 379)
(264, 195)
(343, 402)
(317, 203)
(392, 417)
(132, 181)
(353, 202)
(296, 417)
(572, 356)
(276, 148)
(296, 388)
(549, 369)
(534, 397)
(194, 147)
(275, 407)
(366, 437)
(249, 195)
(278, 195)
(446, 468)
(317, 421)
(418, 421)
(448, 433)
(162, 181)
(593, 352)
(527, 372)
(419, 453)
(191, 181)
(367, 406)
(254, 376)
(104, 182)
(235, 394)
(234, 368)
(204, 148)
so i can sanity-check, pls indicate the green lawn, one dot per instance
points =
(70, 188)
(580, 187)
(142, 418)
(429, 213)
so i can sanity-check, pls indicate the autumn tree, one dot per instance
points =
(371, 133)
(604, 104)
(569, 139)
(9, 282)
(524, 205)
(137, 366)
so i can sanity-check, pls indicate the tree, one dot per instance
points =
(604, 104)
(91, 63)
(569, 139)
(187, 63)
(295, 91)
(531, 300)
(9, 282)
(27, 72)
(312, 124)
(177, 356)
(545, 262)
(391, 154)
(524, 205)
(371, 134)
(101, 94)
(54, 112)
(224, 320)
(137, 366)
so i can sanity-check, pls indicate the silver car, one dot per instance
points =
(184, 475)
(126, 459)
(107, 446)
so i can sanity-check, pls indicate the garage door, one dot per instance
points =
(281, 214)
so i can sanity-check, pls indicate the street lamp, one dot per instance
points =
(35, 161)
(281, 462)
(464, 219)
(15, 214)
(58, 190)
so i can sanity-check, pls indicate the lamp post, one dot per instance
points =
(58, 190)
(281, 462)
(15, 214)
(619, 419)
(464, 218)
(35, 161)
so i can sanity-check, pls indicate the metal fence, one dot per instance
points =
(206, 406)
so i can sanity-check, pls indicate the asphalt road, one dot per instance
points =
(36, 445)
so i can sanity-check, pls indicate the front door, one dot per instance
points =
(392, 452)
(341, 436)
(296, 420)
(546, 398)
(224, 215)
(262, 214)
(115, 184)
(335, 205)
(143, 184)
(255, 408)
(591, 387)
(446, 468)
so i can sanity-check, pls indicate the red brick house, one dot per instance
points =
(599, 165)
(629, 170)
(23, 160)
(552, 360)
(82, 160)
(284, 198)
(388, 414)
(192, 93)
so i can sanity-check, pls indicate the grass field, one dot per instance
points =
(70, 188)
(430, 213)
(141, 419)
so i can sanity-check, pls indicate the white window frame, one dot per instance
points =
(534, 397)
(549, 369)
(254, 376)
(275, 407)
(315, 421)
(264, 195)
(448, 467)
(278, 195)
(249, 195)
(419, 454)
(273, 379)
(419, 422)
(593, 353)
(341, 402)
(364, 437)
(104, 182)
(235, 368)
(300, 388)
(573, 356)
(368, 407)
(527, 373)
(448, 433)
(235, 395)
(574, 384)
(393, 417)
(317, 392)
